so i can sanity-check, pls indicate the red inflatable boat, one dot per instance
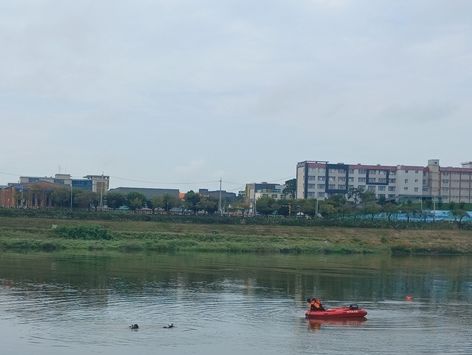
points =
(346, 312)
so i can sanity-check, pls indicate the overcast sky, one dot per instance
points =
(178, 93)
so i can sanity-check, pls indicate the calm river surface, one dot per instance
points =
(232, 304)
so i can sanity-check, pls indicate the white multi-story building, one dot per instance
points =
(255, 191)
(321, 179)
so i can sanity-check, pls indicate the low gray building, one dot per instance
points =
(149, 193)
(225, 195)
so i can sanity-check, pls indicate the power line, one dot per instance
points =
(164, 183)
(11, 174)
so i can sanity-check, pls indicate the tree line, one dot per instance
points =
(357, 202)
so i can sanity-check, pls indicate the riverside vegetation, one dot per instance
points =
(264, 235)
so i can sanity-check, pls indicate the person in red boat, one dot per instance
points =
(315, 305)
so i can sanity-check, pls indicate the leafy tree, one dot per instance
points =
(409, 209)
(371, 208)
(150, 204)
(166, 202)
(191, 201)
(135, 200)
(337, 200)
(86, 199)
(459, 213)
(115, 200)
(308, 207)
(367, 196)
(327, 208)
(208, 204)
(61, 197)
(382, 200)
(389, 208)
(266, 205)
(286, 207)
(428, 203)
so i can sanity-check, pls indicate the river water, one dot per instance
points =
(232, 304)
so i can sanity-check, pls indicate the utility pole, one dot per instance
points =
(71, 195)
(219, 201)
(254, 204)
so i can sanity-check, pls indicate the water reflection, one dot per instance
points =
(230, 303)
(316, 324)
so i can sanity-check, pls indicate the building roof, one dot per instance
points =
(451, 169)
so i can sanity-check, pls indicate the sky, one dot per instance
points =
(181, 93)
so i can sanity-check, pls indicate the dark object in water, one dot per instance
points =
(170, 325)
(134, 326)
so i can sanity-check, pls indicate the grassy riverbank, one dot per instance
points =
(28, 234)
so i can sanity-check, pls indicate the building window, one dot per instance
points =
(391, 188)
(391, 196)
(406, 181)
(362, 171)
(405, 188)
(361, 179)
(416, 189)
(321, 178)
(321, 194)
(321, 186)
(392, 181)
(351, 179)
(381, 188)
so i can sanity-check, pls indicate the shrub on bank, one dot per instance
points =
(84, 232)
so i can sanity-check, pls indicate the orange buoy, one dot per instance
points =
(408, 298)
